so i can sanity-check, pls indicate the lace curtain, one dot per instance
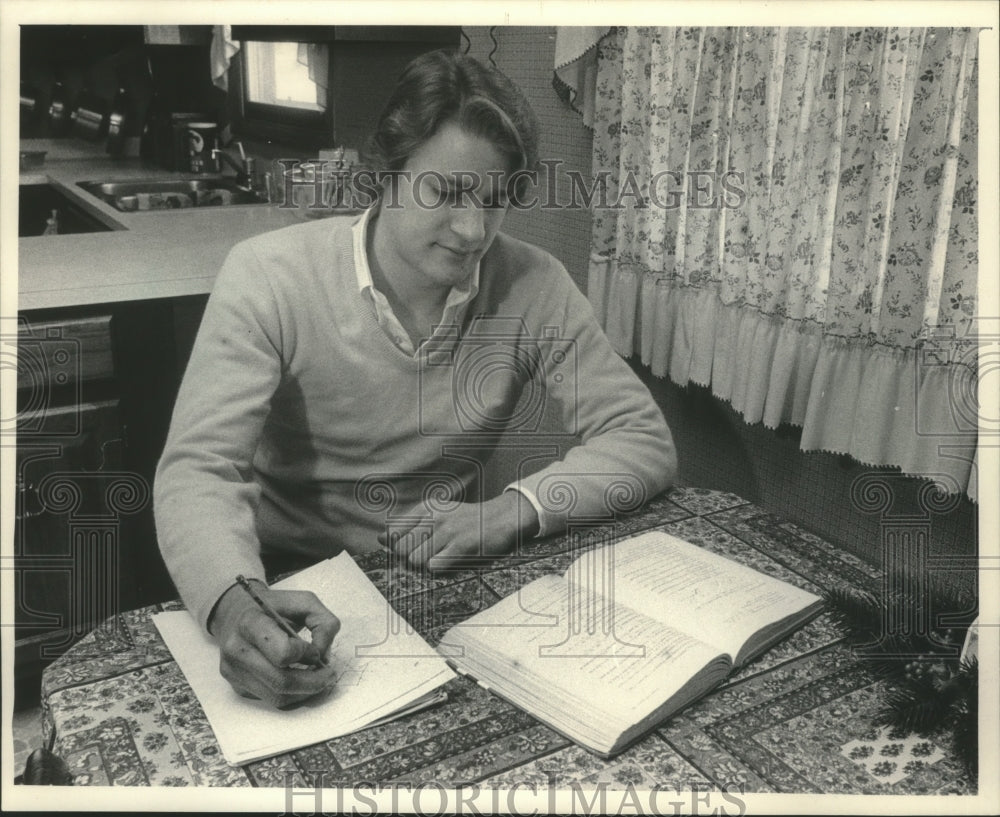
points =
(822, 270)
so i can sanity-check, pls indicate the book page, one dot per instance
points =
(383, 667)
(614, 658)
(720, 601)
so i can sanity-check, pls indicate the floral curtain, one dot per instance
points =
(791, 219)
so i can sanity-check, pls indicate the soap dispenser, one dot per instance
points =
(52, 224)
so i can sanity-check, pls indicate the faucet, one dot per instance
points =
(244, 168)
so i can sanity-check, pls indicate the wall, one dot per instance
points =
(527, 56)
(822, 492)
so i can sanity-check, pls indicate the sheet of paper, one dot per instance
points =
(383, 666)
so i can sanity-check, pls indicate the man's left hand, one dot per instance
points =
(464, 533)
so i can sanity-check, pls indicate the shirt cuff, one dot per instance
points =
(530, 496)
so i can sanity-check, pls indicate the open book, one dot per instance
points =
(385, 670)
(629, 635)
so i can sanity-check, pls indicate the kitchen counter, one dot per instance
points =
(161, 254)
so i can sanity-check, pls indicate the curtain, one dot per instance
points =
(575, 74)
(316, 57)
(221, 53)
(797, 229)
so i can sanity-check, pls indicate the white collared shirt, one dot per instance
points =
(455, 305)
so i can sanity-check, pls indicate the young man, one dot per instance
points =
(342, 361)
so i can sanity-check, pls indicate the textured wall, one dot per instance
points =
(817, 490)
(526, 55)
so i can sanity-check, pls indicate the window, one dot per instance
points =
(281, 92)
(288, 74)
(314, 87)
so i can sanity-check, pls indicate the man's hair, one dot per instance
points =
(443, 86)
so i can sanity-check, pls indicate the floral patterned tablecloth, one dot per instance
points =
(798, 719)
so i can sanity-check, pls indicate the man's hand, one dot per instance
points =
(464, 533)
(256, 656)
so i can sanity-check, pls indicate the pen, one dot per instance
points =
(274, 615)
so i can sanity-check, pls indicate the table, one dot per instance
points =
(798, 719)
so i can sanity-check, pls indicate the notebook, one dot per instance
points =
(385, 670)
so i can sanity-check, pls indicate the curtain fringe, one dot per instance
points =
(882, 406)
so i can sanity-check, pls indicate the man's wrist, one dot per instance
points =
(232, 598)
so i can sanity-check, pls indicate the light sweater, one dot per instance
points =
(300, 426)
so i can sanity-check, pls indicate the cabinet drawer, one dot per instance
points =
(56, 353)
(59, 424)
(77, 442)
(71, 570)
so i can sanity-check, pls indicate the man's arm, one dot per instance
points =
(205, 497)
(626, 455)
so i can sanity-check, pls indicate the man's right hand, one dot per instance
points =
(256, 655)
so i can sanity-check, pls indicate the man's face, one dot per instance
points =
(437, 235)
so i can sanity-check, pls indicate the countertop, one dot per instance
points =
(161, 254)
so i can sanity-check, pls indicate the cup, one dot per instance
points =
(316, 188)
(201, 141)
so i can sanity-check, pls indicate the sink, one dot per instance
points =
(35, 206)
(138, 196)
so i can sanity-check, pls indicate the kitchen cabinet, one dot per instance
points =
(96, 386)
